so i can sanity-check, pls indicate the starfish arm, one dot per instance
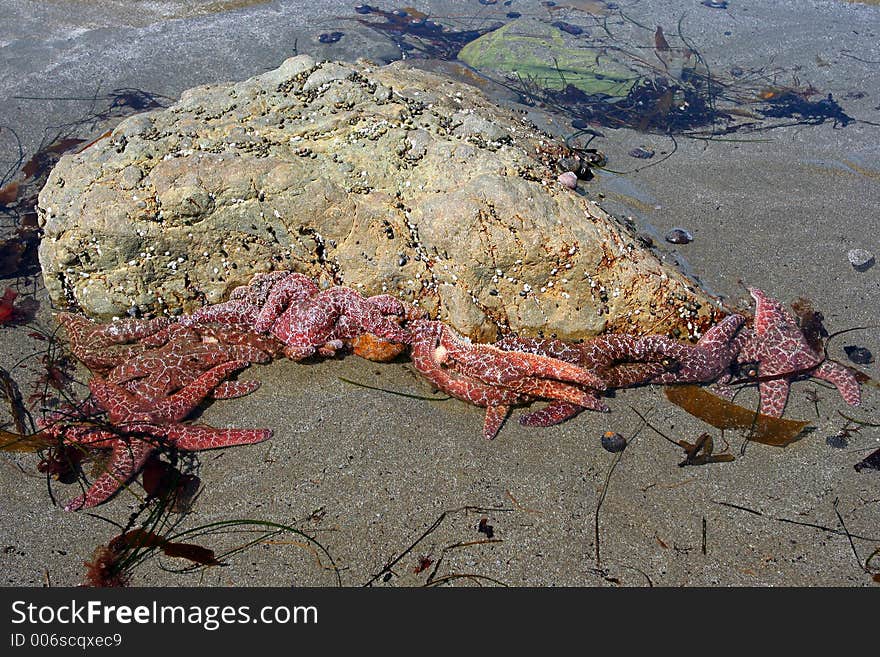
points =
(127, 458)
(356, 315)
(388, 305)
(235, 335)
(549, 389)
(495, 416)
(625, 375)
(553, 368)
(228, 312)
(193, 437)
(496, 366)
(292, 290)
(299, 352)
(234, 389)
(723, 332)
(426, 338)
(842, 378)
(774, 396)
(176, 407)
(102, 346)
(120, 404)
(554, 413)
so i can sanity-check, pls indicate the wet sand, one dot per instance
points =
(367, 473)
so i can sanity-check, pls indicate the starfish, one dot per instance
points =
(139, 425)
(132, 445)
(783, 353)
(188, 352)
(246, 303)
(103, 346)
(495, 399)
(493, 378)
(625, 360)
(533, 374)
(125, 407)
(324, 322)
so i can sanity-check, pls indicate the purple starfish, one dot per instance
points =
(626, 360)
(781, 350)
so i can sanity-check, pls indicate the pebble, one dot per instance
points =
(613, 442)
(576, 30)
(678, 236)
(860, 259)
(837, 441)
(568, 179)
(642, 153)
(859, 355)
(332, 37)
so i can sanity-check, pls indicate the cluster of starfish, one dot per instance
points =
(149, 375)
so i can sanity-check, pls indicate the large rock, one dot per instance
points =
(386, 179)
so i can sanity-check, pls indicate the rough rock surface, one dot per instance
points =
(387, 179)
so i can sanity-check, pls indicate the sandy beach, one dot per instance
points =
(396, 490)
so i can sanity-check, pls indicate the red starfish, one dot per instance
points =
(132, 445)
(626, 360)
(138, 425)
(157, 373)
(782, 351)
(102, 346)
(307, 322)
(493, 378)
(247, 301)
(495, 399)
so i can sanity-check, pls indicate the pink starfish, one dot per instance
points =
(132, 445)
(493, 378)
(782, 351)
(496, 400)
(324, 322)
(157, 373)
(139, 425)
(625, 360)
(245, 306)
(102, 346)
(124, 407)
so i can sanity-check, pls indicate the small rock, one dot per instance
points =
(568, 179)
(642, 153)
(860, 259)
(613, 442)
(837, 441)
(331, 37)
(859, 355)
(575, 30)
(679, 236)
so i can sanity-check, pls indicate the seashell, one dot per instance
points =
(576, 30)
(613, 442)
(678, 236)
(860, 259)
(642, 153)
(331, 37)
